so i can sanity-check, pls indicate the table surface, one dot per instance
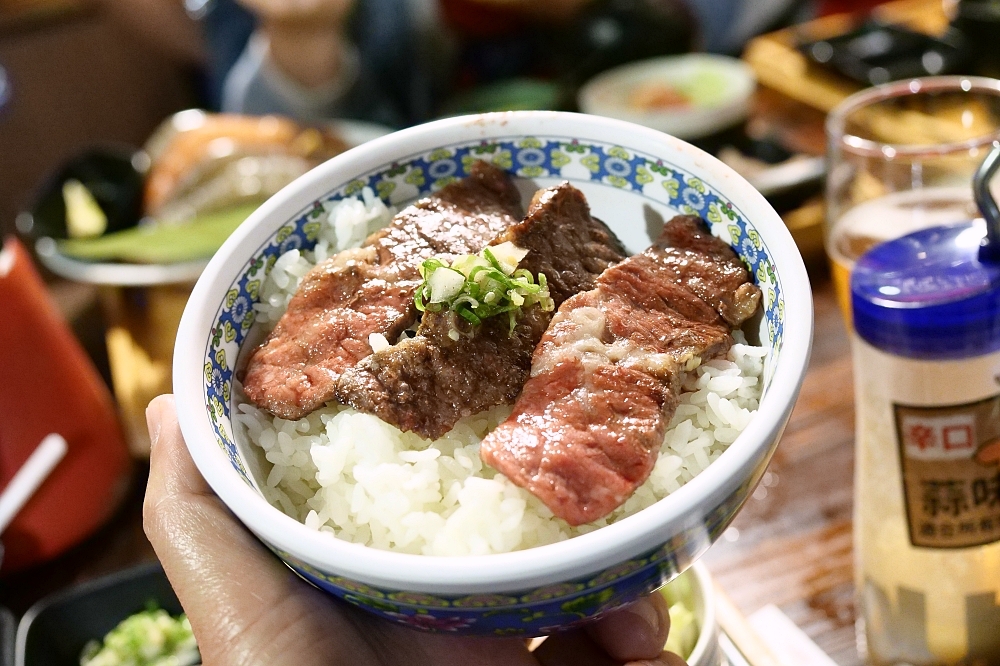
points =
(791, 544)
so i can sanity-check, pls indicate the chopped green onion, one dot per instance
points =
(477, 287)
(445, 284)
(508, 255)
(149, 638)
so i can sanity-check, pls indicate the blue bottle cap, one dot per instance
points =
(927, 295)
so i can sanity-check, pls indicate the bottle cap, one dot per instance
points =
(927, 295)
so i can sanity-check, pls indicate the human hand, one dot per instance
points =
(247, 608)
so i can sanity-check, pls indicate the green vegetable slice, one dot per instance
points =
(684, 625)
(161, 244)
(84, 217)
(490, 286)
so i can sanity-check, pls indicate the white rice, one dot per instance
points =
(362, 480)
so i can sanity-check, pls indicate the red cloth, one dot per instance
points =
(50, 386)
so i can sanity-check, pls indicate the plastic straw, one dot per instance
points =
(30, 477)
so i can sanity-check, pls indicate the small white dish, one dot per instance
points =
(706, 651)
(120, 274)
(720, 89)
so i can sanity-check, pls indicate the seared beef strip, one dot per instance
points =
(564, 242)
(587, 428)
(709, 268)
(427, 383)
(370, 290)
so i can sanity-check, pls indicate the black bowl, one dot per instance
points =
(55, 630)
(114, 175)
(8, 631)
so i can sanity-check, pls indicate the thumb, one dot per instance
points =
(244, 605)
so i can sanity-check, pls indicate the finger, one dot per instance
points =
(665, 659)
(572, 648)
(177, 473)
(244, 606)
(395, 644)
(633, 632)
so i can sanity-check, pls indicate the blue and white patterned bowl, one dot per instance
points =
(631, 176)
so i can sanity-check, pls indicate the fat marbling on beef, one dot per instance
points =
(587, 428)
(370, 290)
(427, 383)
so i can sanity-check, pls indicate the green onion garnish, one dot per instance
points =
(480, 286)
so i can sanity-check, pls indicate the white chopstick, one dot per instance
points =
(30, 477)
(787, 642)
(742, 635)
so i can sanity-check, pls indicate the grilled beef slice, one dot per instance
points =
(427, 383)
(370, 290)
(709, 268)
(587, 428)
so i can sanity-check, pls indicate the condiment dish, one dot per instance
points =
(688, 96)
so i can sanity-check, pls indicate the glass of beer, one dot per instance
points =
(901, 157)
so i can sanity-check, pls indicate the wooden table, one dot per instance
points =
(790, 546)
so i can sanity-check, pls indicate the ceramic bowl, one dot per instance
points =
(633, 178)
(697, 594)
(706, 650)
(724, 86)
(55, 630)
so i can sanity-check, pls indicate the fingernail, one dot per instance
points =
(648, 612)
(665, 659)
(153, 422)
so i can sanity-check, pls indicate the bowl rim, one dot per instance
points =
(519, 570)
(116, 273)
(708, 631)
(840, 138)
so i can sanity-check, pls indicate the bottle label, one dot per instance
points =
(951, 472)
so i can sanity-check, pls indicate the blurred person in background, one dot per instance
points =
(399, 62)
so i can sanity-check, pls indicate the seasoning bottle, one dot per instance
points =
(926, 352)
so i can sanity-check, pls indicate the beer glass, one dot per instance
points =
(901, 157)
